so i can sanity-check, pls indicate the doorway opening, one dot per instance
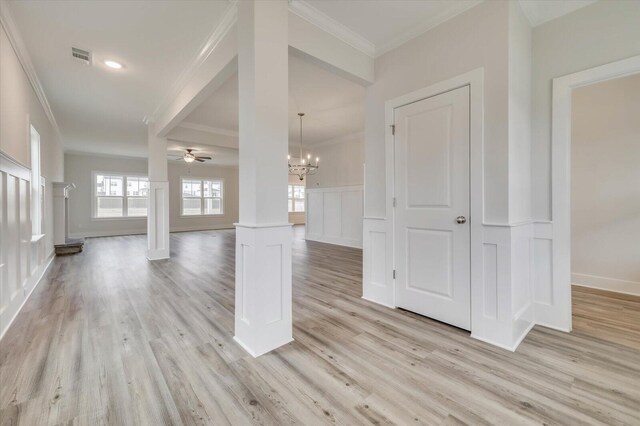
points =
(560, 314)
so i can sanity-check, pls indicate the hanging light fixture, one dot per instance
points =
(302, 166)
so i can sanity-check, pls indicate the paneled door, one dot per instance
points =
(432, 232)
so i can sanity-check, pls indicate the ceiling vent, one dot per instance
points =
(81, 55)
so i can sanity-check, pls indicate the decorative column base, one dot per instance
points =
(263, 319)
(158, 221)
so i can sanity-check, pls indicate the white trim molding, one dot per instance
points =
(606, 283)
(225, 24)
(9, 25)
(331, 26)
(559, 312)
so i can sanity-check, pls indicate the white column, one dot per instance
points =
(158, 210)
(263, 237)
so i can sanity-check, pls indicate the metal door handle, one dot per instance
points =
(461, 219)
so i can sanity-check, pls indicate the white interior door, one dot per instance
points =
(432, 231)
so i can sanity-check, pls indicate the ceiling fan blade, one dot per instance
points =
(198, 159)
(204, 158)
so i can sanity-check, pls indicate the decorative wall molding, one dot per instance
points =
(331, 26)
(263, 312)
(23, 256)
(225, 24)
(7, 22)
(377, 273)
(10, 166)
(334, 215)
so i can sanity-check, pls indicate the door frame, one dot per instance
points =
(475, 80)
(560, 317)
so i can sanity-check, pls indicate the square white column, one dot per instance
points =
(158, 207)
(263, 234)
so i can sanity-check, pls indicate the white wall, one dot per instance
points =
(335, 193)
(598, 34)
(605, 185)
(22, 261)
(341, 163)
(79, 169)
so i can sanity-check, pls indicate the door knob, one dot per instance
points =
(461, 219)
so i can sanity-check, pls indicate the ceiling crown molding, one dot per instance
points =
(208, 129)
(456, 8)
(10, 28)
(227, 22)
(333, 27)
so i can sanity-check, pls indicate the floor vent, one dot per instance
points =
(81, 55)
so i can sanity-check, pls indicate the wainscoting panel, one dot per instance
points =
(23, 257)
(334, 215)
(377, 272)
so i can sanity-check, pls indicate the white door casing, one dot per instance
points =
(432, 255)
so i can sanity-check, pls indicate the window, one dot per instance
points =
(36, 189)
(120, 195)
(201, 197)
(296, 198)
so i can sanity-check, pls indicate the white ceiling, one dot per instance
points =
(101, 110)
(98, 109)
(334, 106)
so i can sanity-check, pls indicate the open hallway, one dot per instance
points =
(110, 338)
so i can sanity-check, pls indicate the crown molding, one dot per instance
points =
(333, 27)
(225, 24)
(456, 9)
(10, 28)
(208, 129)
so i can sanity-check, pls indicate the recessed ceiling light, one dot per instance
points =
(113, 64)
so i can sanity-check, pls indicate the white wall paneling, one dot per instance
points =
(334, 215)
(263, 287)
(158, 221)
(23, 259)
(377, 271)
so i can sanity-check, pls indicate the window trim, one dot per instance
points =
(294, 199)
(202, 197)
(94, 196)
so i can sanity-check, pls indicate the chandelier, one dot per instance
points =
(302, 166)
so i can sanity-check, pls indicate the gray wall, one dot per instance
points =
(603, 32)
(605, 181)
(79, 169)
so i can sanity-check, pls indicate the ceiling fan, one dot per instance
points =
(190, 157)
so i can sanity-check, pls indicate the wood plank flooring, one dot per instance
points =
(109, 338)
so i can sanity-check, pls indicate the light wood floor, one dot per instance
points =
(109, 338)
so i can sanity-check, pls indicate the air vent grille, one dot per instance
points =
(81, 55)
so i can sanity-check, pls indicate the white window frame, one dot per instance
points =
(303, 199)
(202, 197)
(94, 196)
(35, 146)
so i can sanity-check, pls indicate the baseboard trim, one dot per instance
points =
(606, 283)
(40, 274)
(201, 228)
(377, 302)
(335, 241)
(97, 234)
